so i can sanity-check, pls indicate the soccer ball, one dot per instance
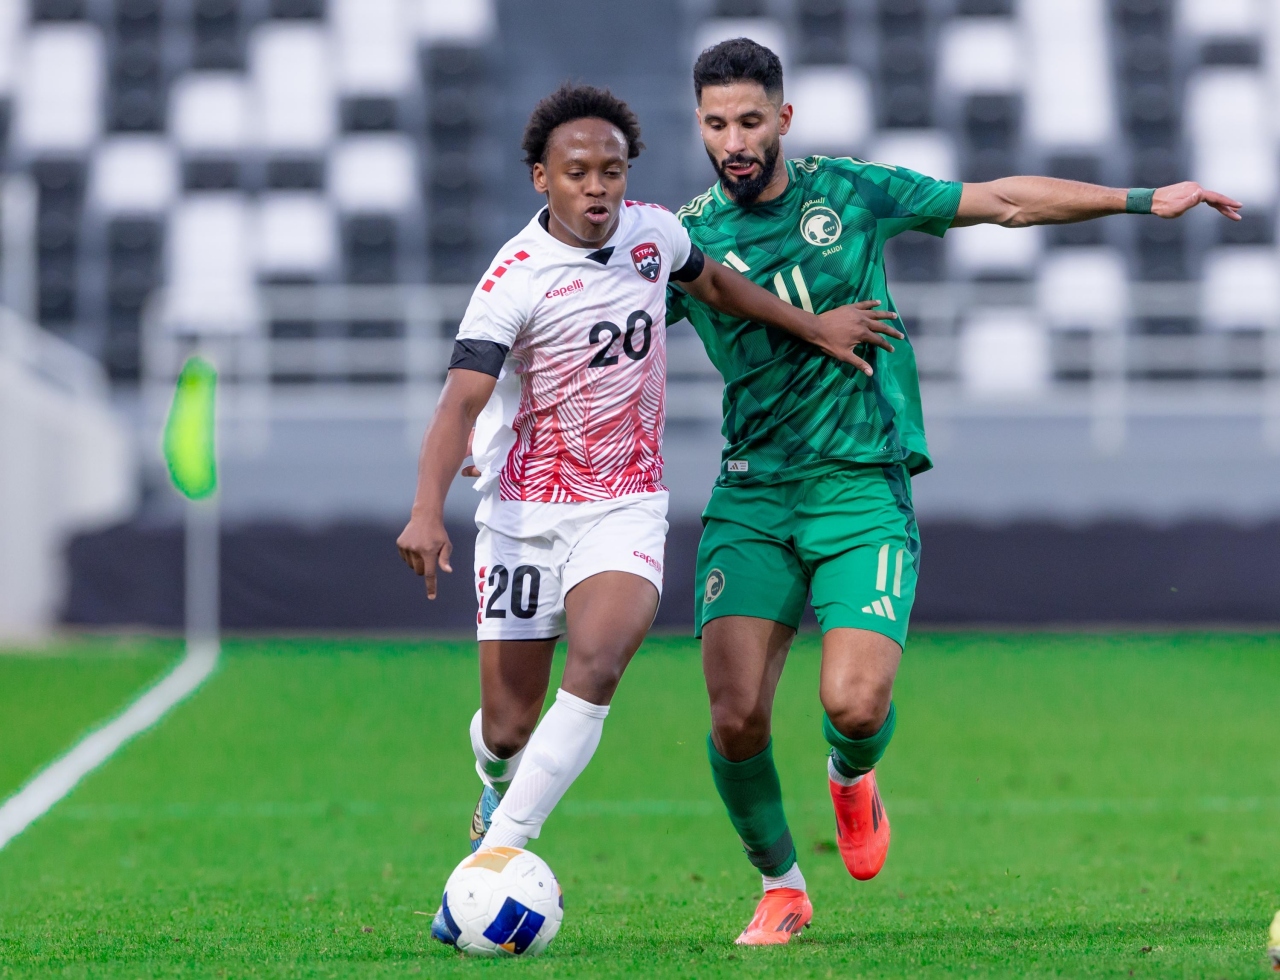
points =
(1273, 947)
(502, 901)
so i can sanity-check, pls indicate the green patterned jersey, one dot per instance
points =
(789, 411)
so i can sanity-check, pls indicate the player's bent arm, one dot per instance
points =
(836, 333)
(1018, 202)
(424, 543)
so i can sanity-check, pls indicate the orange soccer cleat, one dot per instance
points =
(780, 915)
(862, 826)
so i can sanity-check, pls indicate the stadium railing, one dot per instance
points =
(383, 351)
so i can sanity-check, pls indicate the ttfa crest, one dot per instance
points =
(647, 260)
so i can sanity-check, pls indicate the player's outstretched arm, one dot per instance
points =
(424, 544)
(1017, 202)
(836, 333)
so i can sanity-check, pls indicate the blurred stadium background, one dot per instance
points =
(311, 187)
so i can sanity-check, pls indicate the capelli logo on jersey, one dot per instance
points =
(820, 226)
(574, 287)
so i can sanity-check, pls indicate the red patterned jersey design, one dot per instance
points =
(588, 433)
(587, 341)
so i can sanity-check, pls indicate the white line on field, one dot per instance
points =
(60, 778)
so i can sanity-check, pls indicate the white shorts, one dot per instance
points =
(529, 555)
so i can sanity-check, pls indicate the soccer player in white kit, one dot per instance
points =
(560, 366)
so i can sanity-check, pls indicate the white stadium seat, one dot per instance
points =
(134, 175)
(981, 55)
(1220, 101)
(762, 30)
(295, 234)
(1229, 120)
(13, 18)
(989, 250)
(375, 46)
(832, 110)
(927, 151)
(60, 89)
(456, 21)
(374, 173)
(1070, 104)
(209, 113)
(1218, 18)
(1084, 287)
(210, 267)
(1241, 288)
(1246, 171)
(292, 70)
(1004, 353)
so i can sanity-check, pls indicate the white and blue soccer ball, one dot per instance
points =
(503, 901)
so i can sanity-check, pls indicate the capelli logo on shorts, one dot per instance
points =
(651, 562)
(715, 585)
(737, 466)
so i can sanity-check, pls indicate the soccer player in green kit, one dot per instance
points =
(814, 494)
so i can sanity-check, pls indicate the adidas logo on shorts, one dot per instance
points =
(882, 607)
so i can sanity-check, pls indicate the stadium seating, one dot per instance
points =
(345, 141)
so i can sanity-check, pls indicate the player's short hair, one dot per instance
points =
(570, 102)
(738, 60)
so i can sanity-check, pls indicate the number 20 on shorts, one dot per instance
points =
(509, 591)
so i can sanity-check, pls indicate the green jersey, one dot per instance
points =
(790, 412)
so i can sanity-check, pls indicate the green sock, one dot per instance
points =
(753, 796)
(855, 756)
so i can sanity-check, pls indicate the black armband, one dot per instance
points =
(692, 267)
(485, 356)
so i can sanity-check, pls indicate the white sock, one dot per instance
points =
(493, 771)
(559, 750)
(792, 879)
(841, 780)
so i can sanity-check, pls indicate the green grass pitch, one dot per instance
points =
(1062, 806)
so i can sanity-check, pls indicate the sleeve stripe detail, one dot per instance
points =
(485, 356)
(695, 207)
(501, 270)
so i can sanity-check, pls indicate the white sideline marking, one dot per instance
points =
(60, 778)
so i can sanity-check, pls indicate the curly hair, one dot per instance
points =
(738, 60)
(570, 102)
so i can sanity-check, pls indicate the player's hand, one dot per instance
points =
(1176, 200)
(840, 331)
(424, 545)
(470, 469)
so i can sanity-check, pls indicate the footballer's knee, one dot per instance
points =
(595, 677)
(739, 734)
(858, 711)
(507, 737)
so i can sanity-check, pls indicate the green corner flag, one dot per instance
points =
(188, 433)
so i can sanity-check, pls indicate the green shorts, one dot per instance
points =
(848, 536)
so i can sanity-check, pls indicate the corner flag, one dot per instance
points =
(189, 431)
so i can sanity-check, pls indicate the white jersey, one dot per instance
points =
(579, 408)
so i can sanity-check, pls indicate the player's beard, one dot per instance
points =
(745, 190)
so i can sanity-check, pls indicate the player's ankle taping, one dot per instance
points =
(791, 878)
(855, 756)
